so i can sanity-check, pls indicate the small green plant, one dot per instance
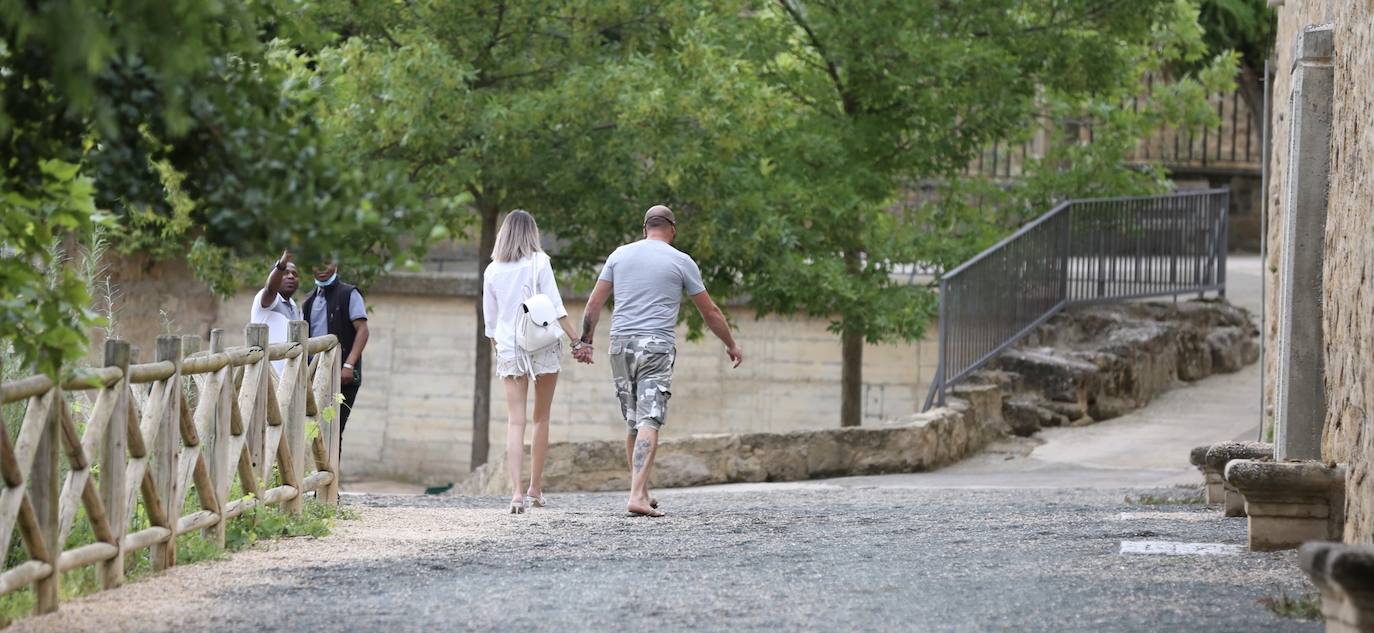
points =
(312, 426)
(1299, 607)
(259, 524)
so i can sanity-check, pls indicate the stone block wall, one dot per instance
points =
(914, 443)
(1096, 362)
(1348, 298)
(414, 411)
(1349, 267)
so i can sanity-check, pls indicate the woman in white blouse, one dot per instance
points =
(520, 269)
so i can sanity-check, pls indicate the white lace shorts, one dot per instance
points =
(546, 361)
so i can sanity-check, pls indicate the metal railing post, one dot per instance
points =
(944, 338)
(1223, 237)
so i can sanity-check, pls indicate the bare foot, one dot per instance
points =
(636, 509)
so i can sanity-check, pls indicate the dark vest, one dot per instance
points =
(336, 298)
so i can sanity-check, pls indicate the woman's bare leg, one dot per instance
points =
(544, 386)
(516, 388)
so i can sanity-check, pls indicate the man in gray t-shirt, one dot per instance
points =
(648, 279)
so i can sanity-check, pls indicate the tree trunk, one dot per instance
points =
(1250, 82)
(481, 388)
(852, 360)
(851, 377)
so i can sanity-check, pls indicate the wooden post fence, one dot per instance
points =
(189, 420)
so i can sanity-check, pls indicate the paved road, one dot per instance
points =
(836, 558)
(1027, 536)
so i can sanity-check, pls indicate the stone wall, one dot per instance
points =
(914, 443)
(1094, 363)
(414, 411)
(1348, 299)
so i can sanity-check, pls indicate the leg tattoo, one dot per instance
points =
(642, 448)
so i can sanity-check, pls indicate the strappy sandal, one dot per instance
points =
(518, 507)
(536, 502)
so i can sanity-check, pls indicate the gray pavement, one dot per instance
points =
(1028, 536)
(852, 558)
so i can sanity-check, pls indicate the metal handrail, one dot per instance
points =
(1083, 251)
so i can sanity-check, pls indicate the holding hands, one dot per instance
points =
(582, 352)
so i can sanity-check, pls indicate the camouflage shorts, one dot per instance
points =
(643, 370)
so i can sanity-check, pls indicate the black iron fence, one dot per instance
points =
(1232, 145)
(1082, 251)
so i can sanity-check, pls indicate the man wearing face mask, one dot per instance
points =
(337, 308)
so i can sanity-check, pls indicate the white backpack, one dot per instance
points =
(537, 326)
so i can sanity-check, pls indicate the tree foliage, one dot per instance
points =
(583, 112)
(179, 120)
(788, 134)
(886, 96)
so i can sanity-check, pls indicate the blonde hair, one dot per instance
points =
(518, 237)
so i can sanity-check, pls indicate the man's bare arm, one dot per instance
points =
(592, 314)
(360, 337)
(273, 285)
(715, 320)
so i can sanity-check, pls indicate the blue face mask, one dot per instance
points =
(328, 282)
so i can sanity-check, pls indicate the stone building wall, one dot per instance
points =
(1349, 265)
(1348, 299)
(414, 411)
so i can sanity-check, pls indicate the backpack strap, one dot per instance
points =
(534, 275)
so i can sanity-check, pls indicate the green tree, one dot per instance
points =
(54, 106)
(891, 94)
(180, 120)
(584, 112)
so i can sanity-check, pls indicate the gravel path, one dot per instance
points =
(754, 558)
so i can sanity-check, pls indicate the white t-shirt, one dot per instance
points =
(278, 317)
(505, 286)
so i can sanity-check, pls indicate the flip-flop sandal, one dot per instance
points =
(653, 513)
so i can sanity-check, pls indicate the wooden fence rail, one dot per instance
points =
(191, 419)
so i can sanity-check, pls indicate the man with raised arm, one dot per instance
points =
(648, 278)
(274, 306)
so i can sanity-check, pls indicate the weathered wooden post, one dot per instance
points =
(330, 431)
(253, 394)
(165, 449)
(113, 461)
(217, 441)
(44, 491)
(295, 381)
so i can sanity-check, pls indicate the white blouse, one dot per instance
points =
(505, 286)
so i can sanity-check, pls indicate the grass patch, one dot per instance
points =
(1299, 607)
(259, 524)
